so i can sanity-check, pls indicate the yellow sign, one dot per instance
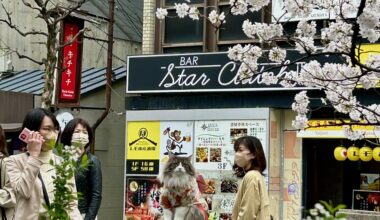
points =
(353, 153)
(340, 153)
(365, 153)
(334, 129)
(365, 51)
(143, 140)
(376, 154)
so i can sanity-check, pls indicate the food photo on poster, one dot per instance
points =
(142, 198)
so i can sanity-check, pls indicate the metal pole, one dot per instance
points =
(111, 5)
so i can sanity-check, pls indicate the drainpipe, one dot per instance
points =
(111, 5)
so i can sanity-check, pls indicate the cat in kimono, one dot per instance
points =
(179, 193)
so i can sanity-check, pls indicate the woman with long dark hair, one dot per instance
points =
(89, 180)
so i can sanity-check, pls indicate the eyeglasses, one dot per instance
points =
(49, 129)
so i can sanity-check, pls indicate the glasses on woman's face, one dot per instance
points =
(48, 130)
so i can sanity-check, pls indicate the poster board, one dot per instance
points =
(208, 135)
(368, 200)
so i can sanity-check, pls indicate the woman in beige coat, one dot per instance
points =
(31, 175)
(252, 201)
(7, 198)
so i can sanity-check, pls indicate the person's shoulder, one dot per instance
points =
(253, 175)
(20, 156)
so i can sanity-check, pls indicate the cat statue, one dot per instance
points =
(179, 193)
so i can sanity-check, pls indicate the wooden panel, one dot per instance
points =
(14, 106)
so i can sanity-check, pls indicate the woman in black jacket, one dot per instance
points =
(89, 180)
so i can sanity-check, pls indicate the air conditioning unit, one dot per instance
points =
(5, 63)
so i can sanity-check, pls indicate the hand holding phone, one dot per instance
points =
(24, 135)
(33, 140)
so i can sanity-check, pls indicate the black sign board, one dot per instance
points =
(200, 72)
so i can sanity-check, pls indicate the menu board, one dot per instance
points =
(214, 141)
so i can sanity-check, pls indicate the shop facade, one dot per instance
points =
(185, 71)
(193, 104)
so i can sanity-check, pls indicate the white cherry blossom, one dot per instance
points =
(161, 13)
(182, 10)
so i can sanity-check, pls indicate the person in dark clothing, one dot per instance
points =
(88, 180)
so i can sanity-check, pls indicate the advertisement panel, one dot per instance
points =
(181, 133)
(143, 149)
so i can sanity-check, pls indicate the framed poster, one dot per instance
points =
(370, 181)
(142, 198)
(366, 200)
(214, 141)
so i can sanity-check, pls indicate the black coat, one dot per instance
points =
(89, 185)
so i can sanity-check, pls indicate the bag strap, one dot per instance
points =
(3, 216)
(46, 197)
(44, 191)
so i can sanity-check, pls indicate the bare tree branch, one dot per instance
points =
(72, 39)
(22, 56)
(13, 26)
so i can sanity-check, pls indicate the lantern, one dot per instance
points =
(376, 153)
(340, 153)
(365, 153)
(353, 153)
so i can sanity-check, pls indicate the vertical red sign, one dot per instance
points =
(70, 62)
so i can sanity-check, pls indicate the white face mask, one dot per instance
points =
(79, 139)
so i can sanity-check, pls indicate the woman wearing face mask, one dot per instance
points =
(252, 200)
(89, 180)
(31, 175)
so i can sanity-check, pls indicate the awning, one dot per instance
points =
(332, 129)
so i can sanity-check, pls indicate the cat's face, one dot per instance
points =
(179, 166)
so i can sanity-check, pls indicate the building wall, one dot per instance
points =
(94, 52)
(109, 146)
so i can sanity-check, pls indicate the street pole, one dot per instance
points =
(111, 5)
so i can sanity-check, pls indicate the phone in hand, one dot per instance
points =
(24, 135)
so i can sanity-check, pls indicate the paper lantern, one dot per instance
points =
(340, 153)
(376, 153)
(353, 153)
(365, 153)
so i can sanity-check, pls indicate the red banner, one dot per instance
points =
(70, 62)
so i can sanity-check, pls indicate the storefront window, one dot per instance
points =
(232, 29)
(325, 178)
(182, 30)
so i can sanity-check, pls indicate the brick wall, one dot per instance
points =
(148, 26)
